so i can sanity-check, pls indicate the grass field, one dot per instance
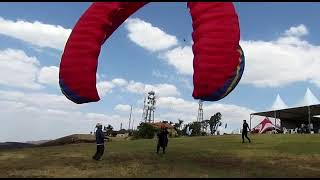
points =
(218, 156)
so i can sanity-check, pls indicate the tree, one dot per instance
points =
(196, 128)
(215, 122)
(180, 123)
(177, 127)
(145, 130)
(184, 129)
(204, 125)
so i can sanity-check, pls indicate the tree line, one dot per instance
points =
(145, 130)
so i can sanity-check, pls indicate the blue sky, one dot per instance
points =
(280, 42)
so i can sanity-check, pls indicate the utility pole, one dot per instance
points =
(130, 117)
(132, 125)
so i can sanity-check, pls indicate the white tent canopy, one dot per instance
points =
(278, 104)
(308, 99)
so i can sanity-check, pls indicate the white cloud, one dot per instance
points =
(135, 87)
(38, 99)
(42, 123)
(186, 81)
(55, 112)
(119, 82)
(297, 31)
(98, 117)
(162, 89)
(159, 89)
(18, 69)
(126, 109)
(176, 104)
(145, 35)
(104, 87)
(122, 107)
(149, 37)
(180, 58)
(52, 36)
(49, 75)
(6, 105)
(47, 116)
(287, 60)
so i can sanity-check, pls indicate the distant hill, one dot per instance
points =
(37, 142)
(14, 145)
(71, 139)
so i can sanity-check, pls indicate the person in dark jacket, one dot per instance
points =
(100, 142)
(162, 139)
(245, 128)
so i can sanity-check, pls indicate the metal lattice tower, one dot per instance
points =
(149, 107)
(200, 112)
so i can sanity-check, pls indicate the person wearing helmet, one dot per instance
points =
(100, 142)
(162, 139)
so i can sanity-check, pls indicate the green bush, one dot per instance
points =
(203, 133)
(145, 130)
(196, 129)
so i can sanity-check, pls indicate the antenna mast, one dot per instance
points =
(130, 117)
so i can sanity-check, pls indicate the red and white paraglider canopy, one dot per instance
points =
(218, 59)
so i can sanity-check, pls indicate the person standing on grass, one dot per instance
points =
(162, 140)
(99, 142)
(245, 128)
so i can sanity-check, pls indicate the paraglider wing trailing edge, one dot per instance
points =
(218, 58)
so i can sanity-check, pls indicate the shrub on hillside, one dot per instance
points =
(203, 133)
(145, 130)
